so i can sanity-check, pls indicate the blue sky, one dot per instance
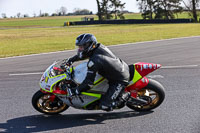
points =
(12, 7)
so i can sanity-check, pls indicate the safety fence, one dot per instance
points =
(129, 21)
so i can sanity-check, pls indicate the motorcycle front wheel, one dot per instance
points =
(42, 103)
(152, 96)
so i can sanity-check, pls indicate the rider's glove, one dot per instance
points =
(66, 63)
(62, 66)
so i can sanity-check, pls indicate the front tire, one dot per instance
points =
(42, 103)
(153, 94)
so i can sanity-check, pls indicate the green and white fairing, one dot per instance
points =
(50, 78)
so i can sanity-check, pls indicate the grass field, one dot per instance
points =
(23, 41)
(28, 35)
(39, 21)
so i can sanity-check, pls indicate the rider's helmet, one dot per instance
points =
(86, 43)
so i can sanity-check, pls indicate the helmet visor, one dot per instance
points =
(82, 50)
(79, 48)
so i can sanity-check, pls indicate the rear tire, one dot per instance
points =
(154, 93)
(42, 103)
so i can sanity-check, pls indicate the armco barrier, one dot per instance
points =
(131, 21)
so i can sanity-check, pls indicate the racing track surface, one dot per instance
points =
(179, 113)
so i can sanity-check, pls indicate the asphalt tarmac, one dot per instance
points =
(179, 113)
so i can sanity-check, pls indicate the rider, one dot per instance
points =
(103, 61)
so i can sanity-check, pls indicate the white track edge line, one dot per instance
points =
(23, 74)
(181, 66)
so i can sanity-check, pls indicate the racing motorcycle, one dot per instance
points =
(57, 82)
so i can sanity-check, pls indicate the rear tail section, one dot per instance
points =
(138, 71)
(145, 68)
(141, 69)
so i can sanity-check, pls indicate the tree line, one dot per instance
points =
(167, 9)
(60, 12)
(149, 9)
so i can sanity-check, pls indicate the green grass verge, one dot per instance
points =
(14, 42)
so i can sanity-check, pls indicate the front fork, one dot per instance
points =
(133, 89)
(55, 92)
(52, 96)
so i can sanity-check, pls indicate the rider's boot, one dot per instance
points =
(108, 101)
(122, 99)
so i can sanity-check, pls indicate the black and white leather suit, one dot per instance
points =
(116, 71)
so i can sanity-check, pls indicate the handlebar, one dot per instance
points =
(67, 68)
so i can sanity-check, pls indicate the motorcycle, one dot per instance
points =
(57, 82)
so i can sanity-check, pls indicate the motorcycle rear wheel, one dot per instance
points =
(41, 102)
(153, 94)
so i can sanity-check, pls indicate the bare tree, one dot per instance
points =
(78, 11)
(63, 10)
(57, 12)
(40, 13)
(34, 15)
(18, 15)
(25, 15)
(3, 15)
